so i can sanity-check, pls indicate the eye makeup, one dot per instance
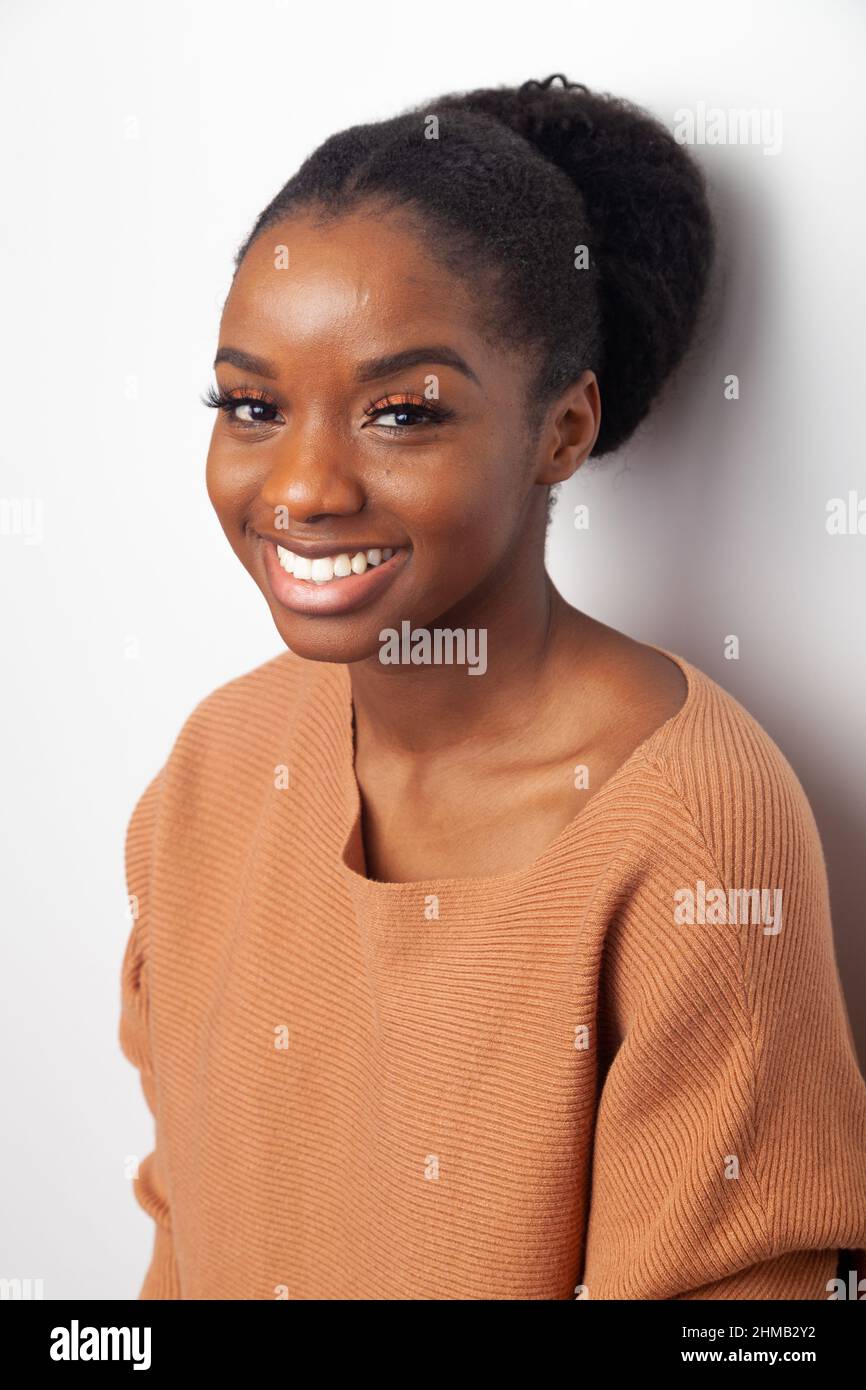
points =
(418, 408)
(248, 397)
(413, 408)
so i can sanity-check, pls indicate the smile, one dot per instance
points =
(327, 567)
(331, 584)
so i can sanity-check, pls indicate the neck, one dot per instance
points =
(404, 709)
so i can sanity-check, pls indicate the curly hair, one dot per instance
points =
(508, 184)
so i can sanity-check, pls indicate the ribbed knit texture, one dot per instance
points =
(528, 1086)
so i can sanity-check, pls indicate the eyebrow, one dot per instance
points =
(370, 370)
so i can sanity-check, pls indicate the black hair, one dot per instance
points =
(508, 183)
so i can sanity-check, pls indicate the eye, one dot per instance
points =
(407, 411)
(249, 412)
(247, 407)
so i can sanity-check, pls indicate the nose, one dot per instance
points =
(313, 477)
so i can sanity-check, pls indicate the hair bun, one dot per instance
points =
(652, 229)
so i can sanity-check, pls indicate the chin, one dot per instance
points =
(322, 639)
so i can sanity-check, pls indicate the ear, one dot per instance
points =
(570, 430)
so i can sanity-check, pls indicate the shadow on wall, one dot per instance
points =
(735, 327)
(690, 504)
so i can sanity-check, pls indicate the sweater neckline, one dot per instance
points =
(352, 843)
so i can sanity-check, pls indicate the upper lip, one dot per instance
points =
(315, 550)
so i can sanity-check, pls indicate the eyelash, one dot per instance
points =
(229, 401)
(432, 412)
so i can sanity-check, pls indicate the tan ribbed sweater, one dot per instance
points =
(541, 1085)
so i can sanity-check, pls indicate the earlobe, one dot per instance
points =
(562, 466)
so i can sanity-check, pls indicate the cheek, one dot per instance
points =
(465, 502)
(230, 486)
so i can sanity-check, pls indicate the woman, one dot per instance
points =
(442, 987)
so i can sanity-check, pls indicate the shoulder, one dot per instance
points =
(254, 711)
(232, 739)
(725, 880)
(732, 780)
(256, 699)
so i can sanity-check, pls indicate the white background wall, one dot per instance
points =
(140, 142)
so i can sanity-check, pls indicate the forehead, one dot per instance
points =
(345, 285)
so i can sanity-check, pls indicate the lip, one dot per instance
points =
(315, 550)
(335, 595)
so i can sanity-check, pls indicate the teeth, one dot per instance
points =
(322, 570)
(327, 567)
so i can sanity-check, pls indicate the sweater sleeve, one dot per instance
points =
(151, 1192)
(730, 1148)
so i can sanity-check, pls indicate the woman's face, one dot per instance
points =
(369, 414)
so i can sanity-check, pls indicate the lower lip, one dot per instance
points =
(335, 595)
